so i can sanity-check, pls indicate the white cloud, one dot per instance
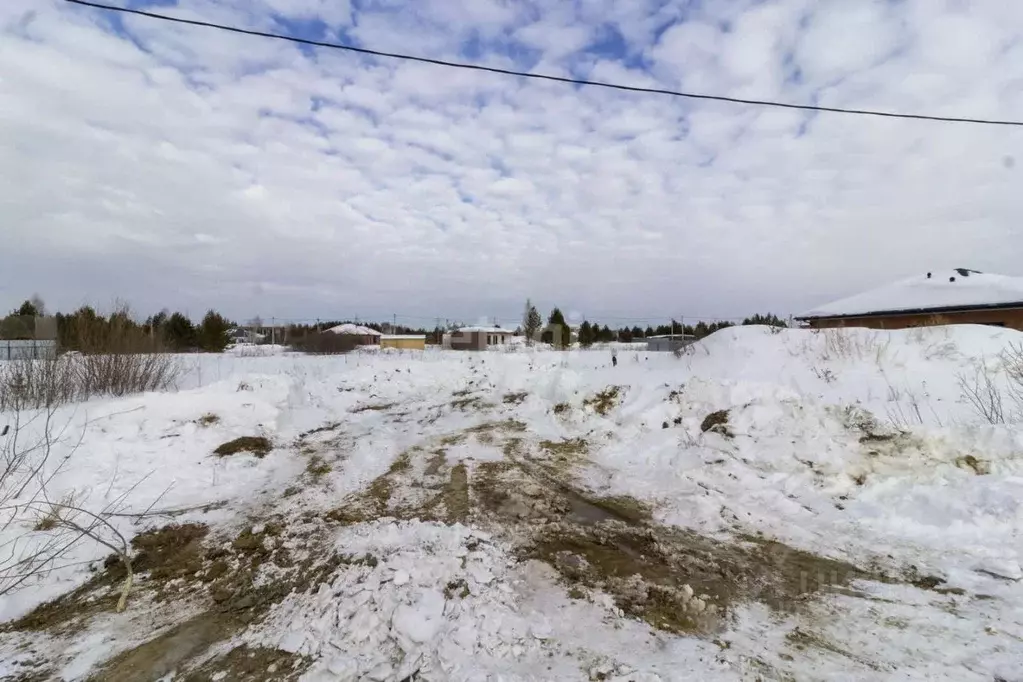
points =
(187, 168)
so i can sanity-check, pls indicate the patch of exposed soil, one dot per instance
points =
(515, 398)
(717, 422)
(165, 554)
(673, 579)
(208, 419)
(373, 407)
(251, 664)
(456, 495)
(221, 578)
(604, 401)
(257, 445)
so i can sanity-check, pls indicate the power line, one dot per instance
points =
(547, 77)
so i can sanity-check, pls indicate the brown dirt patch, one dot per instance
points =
(717, 422)
(456, 495)
(605, 401)
(515, 398)
(166, 554)
(251, 664)
(208, 419)
(437, 460)
(376, 407)
(565, 453)
(257, 445)
(317, 467)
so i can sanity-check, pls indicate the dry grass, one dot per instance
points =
(605, 401)
(208, 419)
(257, 445)
(515, 398)
(717, 422)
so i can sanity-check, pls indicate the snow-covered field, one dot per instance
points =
(773, 505)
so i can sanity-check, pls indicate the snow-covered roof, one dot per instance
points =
(355, 329)
(932, 292)
(488, 330)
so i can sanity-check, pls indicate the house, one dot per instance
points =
(669, 342)
(403, 341)
(363, 336)
(477, 338)
(959, 296)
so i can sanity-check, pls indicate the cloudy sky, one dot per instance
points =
(182, 167)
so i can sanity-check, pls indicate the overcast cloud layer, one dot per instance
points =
(185, 168)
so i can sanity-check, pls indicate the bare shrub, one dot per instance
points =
(1012, 363)
(36, 531)
(115, 358)
(848, 344)
(124, 374)
(30, 383)
(982, 392)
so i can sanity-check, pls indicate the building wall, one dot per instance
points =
(1011, 318)
(468, 341)
(477, 340)
(404, 344)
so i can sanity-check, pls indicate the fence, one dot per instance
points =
(28, 350)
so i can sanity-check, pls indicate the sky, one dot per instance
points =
(185, 168)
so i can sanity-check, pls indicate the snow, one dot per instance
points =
(851, 444)
(402, 336)
(358, 330)
(926, 293)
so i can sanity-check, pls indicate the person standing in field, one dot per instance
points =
(614, 357)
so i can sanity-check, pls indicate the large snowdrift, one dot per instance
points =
(442, 478)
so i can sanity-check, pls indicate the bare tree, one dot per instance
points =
(38, 532)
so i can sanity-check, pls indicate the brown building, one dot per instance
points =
(959, 296)
(477, 338)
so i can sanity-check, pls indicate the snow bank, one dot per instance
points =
(851, 444)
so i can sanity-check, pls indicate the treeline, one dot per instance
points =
(88, 331)
(589, 333)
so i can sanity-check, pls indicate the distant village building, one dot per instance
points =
(403, 341)
(669, 342)
(362, 336)
(477, 338)
(959, 296)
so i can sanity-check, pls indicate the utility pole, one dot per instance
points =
(273, 331)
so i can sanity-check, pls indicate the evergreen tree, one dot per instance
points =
(531, 321)
(649, 332)
(179, 333)
(212, 333)
(562, 339)
(586, 336)
(28, 309)
(770, 320)
(637, 333)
